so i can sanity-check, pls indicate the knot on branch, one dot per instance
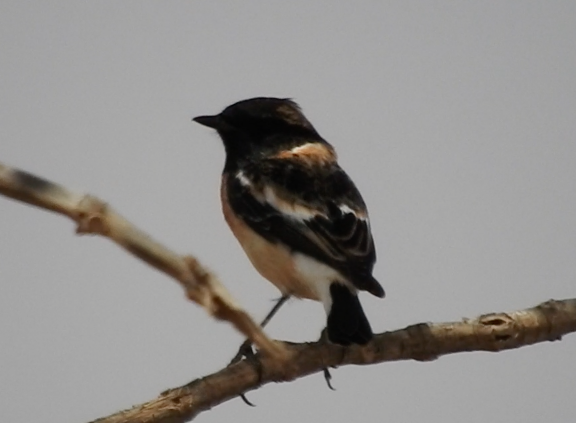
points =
(500, 328)
(204, 288)
(91, 216)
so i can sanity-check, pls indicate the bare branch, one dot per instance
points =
(93, 216)
(280, 362)
(426, 341)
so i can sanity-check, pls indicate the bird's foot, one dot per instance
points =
(326, 370)
(328, 378)
(246, 352)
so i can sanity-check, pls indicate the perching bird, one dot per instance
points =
(296, 213)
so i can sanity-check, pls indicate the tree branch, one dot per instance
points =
(280, 362)
(426, 341)
(93, 216)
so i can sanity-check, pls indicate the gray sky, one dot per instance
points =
(455, 119)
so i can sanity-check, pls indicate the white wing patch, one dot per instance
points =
(268, 195)
(344, 208)
(293, 210)
(244, 179)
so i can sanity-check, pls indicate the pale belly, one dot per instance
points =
(274, 262)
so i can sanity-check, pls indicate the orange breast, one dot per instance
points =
(272, 261)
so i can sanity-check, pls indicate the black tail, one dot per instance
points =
(347, 323)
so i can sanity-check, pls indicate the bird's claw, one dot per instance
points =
(328, 378)
(247, 353)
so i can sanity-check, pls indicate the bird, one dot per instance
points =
(296, 213)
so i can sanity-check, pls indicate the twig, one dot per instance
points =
(93, 216)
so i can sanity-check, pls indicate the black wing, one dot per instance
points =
(316, 211)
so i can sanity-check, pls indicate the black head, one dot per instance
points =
(260, 123)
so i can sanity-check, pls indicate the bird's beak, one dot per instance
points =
(209, 121)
